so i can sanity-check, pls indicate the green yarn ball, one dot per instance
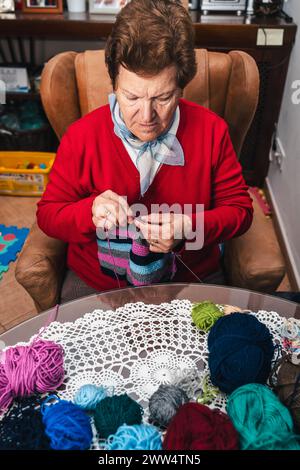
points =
(205, 314)
(262, 421)
(113, 412)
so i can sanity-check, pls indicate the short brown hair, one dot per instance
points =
(148, 36)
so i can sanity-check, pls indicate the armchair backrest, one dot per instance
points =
(74, 84)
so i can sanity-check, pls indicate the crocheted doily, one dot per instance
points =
(136, 348)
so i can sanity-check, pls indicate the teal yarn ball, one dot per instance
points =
(88, 396)
(240, 351)
(262, 421)
(136, 437)
(113, 412)
(66, 425)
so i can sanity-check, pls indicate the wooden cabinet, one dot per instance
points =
(213, 32)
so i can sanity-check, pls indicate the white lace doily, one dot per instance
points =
(136, 348)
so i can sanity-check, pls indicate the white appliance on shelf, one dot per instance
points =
(238, 6)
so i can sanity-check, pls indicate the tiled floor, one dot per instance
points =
(16, 305)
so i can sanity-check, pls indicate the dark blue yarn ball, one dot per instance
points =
(22, 427)
(240, 351)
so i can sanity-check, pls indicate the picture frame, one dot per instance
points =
(42, 6)
(7, 6)
(109, 7)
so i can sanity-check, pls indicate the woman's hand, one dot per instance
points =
(109, 210)
(164, 231)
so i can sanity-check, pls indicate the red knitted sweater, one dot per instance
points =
(92, 159)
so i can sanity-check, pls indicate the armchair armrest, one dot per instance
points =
(40, 268)
(254, 260)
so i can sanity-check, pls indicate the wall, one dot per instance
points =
(284, 185)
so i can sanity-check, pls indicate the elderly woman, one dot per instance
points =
(147, 148)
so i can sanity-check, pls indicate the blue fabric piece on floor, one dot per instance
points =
(14, 246)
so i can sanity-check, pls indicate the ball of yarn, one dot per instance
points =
(240, 351)
(164, 403)
(114, 411)
(88, 396)
(205, 314)
(66, 425)
(188, 380)
(262, 421)
(22, 427)
(197, 427)
(136, 437)
(25, 370)
(288, 388)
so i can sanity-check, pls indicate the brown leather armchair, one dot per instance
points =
(74, 84)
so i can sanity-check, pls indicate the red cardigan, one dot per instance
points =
(92, 159)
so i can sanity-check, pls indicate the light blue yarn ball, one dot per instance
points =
(88, 396)
(136, 437)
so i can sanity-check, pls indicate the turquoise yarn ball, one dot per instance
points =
(88, 396)
(136, 437)
(67, 426)
(262, 421)
(113, 412)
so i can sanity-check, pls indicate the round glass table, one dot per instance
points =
(155, 294)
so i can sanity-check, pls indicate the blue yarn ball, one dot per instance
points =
(136, 437)
(67, 426)
(240, 351)
(88, 396)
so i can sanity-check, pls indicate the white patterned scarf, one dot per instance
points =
(148, 156)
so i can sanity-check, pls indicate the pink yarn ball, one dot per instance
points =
(25, 370)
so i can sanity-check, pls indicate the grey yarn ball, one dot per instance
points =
(190, 381)
(164, 403)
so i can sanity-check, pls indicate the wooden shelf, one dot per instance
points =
(210, 30)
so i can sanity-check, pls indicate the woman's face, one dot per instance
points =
(147, 103)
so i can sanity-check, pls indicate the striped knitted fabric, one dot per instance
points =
(128, 255)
